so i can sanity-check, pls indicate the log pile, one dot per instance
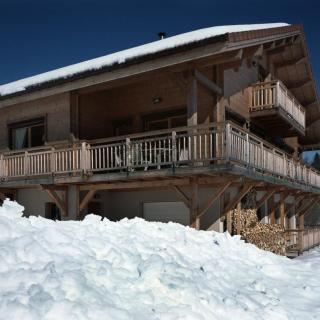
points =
(264, 236)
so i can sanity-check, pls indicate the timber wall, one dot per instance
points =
(55, 109)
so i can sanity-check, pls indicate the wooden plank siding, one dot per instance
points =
(237, 87)
(54, 109)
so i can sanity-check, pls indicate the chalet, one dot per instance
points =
(182, 129)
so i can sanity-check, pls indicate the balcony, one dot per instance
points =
(275, 108)
(202, 146)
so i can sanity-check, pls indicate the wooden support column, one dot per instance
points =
(73, 202)
(238, 220)
(282, 210)
(74, 114)
(229, 221)
(194, 205)
(301, 228)
(192, 102)
(219, 109)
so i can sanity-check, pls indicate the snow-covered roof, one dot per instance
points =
(129, 54)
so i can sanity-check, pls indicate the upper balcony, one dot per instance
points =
(210, 147)
(276, 109)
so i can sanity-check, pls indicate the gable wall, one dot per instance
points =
(236, 85)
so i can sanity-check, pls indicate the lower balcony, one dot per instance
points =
(275, 109)
(205, 147)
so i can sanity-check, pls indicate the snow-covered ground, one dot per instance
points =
(138, 270)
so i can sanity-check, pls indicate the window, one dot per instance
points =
(27, 134)
(166, 120)
(122, 126)
(52, 211)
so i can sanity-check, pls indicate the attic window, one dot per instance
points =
(27, 134)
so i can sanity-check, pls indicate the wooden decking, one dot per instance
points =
(200, 146)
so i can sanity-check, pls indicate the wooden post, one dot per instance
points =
(301, 228)
(219, 110)
(229, 221)
(192, 102)
(194, 204)
(238, 220)
(1, 166)
(282, 210)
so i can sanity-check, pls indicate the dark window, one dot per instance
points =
(122, 126)
(27, 134)
(165, 120)
(52, 211)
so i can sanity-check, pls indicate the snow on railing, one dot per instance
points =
(274, 94)
(197, 146)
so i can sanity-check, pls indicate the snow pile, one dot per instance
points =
(129, 54)
(133, 269)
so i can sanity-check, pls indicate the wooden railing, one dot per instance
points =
(274, 94)
(301, 240)
(197, 146)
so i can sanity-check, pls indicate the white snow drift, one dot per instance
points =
(133, 269)
(129, 54)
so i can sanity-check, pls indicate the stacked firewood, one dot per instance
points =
(264, 236)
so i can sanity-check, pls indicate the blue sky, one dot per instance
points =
(37, 36)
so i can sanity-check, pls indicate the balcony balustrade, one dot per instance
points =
(267, 97)
(197, 146)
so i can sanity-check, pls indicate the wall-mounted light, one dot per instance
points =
(157, 100)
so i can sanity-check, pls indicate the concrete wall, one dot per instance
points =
(56, 110)
(116, 205)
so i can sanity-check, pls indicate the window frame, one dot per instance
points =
(30, 123)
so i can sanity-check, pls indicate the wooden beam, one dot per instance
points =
(304, 209)
(60, 204)
(265, 198)
(136, 184)
(259, 51)
(53, 187)
(292, 62)
(88, 197)
(245, 189)
(207, 83)
(299, 84)
(182, 196)
(192, 102)
(311, 206)
(213, 198)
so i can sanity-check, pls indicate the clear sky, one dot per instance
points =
(38, 36)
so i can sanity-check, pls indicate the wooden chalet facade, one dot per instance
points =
(184, 133)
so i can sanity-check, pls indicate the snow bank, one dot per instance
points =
(129, 54)
(133, 269)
